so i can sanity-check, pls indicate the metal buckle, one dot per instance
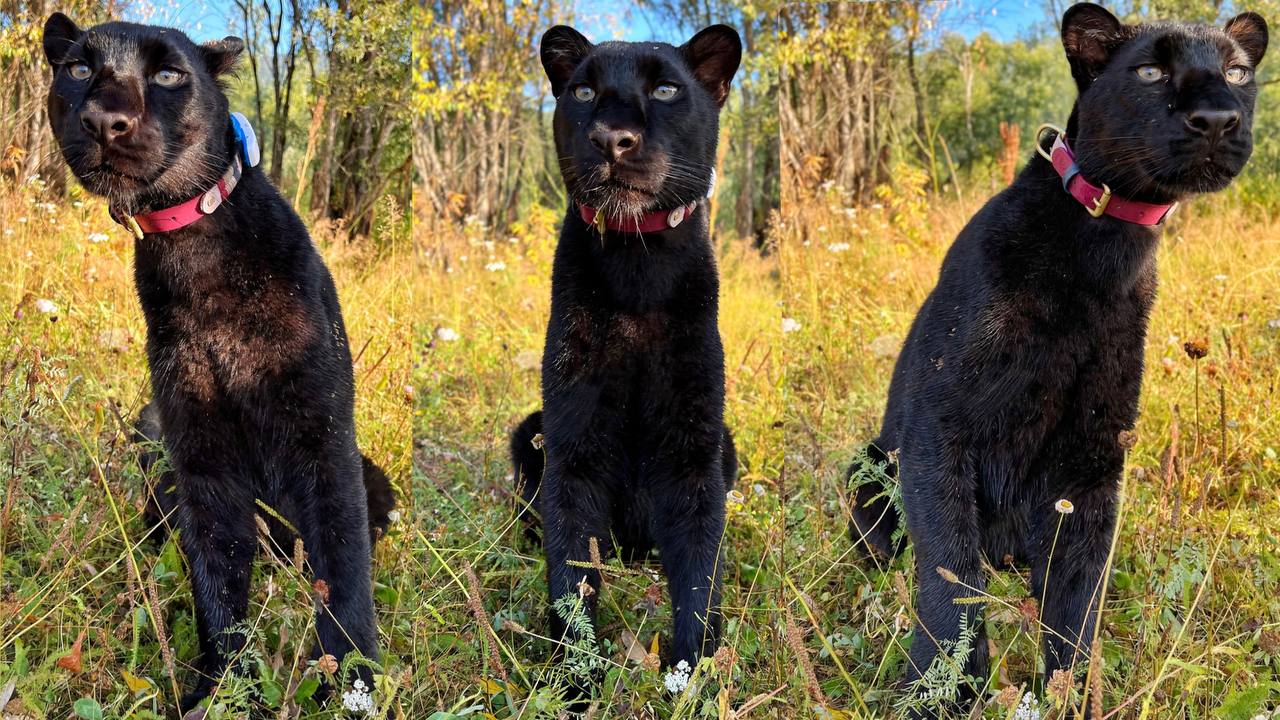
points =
(1100, 205)
(133, 226)
(1040, 131)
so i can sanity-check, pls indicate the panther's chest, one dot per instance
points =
(610, 341)
(229, 339)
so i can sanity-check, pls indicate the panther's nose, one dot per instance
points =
(613, 143)
(1213, 124)
(107, 127)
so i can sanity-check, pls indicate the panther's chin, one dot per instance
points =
(619, 200)
(113, 176)
(1206, 176)
(108, 181)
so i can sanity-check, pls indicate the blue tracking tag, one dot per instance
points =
(246, 139)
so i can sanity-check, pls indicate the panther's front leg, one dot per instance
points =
(217, 534)
(939, 494)
(584, 470)
(688, 528)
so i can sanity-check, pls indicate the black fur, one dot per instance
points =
(250, 365)
(633, 368)
(529, 460)
(1020, 376)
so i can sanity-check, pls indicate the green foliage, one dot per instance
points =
(941, 681)
(581, 658)
(1023, 83)
(869, 471)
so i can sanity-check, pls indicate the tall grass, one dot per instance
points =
(1192, 619)
(93, 622)
(448, 336)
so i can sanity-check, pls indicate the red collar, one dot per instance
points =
(650, 222)
(1097, 200)
(183, 214)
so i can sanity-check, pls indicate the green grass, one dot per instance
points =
(87, 614)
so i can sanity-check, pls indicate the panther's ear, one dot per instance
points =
(1089, 35)
(713, 55)
(562, 50)
(1250, 31)
(220, 56)
(60, 33)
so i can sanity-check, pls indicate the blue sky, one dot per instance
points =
(609, 19)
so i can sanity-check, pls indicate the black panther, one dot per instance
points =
(636, 449)
(250, 365)
(1017, 386)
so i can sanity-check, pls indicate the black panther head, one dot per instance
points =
(636, 123)
(1165, 110)
(138, 110)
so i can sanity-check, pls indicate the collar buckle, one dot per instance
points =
(133, 226)
(1040, 133)
(1100, 205)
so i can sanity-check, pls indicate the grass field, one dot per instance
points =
(1192, 622)
(80, 600)
(448, 337)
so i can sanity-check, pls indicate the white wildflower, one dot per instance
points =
(735, 497)
(447, 334)
(1064, 506)
(758, 489)
(358, 699)
(790, 325)
(48, 307)
(98, 237)
(838, 247)
(1028, 709)
(1220, 277)
(77, 204)
(495, 266)
(678, 679)
(393, 516)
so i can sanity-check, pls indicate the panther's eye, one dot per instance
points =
(1150, 73)
(80, 71)
(168, 77)
(1238, 74)
(584, 93)
(665, 92)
